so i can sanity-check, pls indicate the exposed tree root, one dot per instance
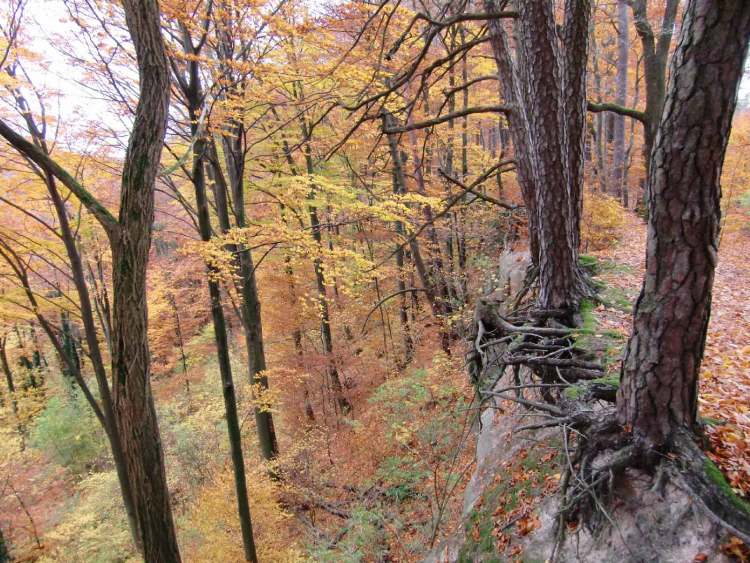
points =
(544, 362)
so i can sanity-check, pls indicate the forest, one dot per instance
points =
(374, 280)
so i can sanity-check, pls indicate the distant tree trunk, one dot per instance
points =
(8, 376)
(655, 56)
(194, 98)
(659, 382)
(4, 551)
(401, 286)
(325, 316)
(431, 281)
(180, 344)
(623, 49)
(70, 349)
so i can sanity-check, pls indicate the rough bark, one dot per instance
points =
(575, 57)
(658, 393)
(550, 163)
(517, 120)
(131, 363)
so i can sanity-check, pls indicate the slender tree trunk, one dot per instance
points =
(320, 282)
(401, 286)
(659, 386)
(623, 49)
(434, 289)
(222, 344)
(8, 377)
(131, 360)
(655, 55)
(251, 311)
(510, 88)
(180, 345)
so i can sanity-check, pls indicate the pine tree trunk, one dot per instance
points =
(659, 387)
(575, 41)
(550, 163)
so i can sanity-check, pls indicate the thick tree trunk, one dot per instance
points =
(131, 363)
(659, 387)
(72, 366)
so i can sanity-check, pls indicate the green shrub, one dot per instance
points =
(94, 528)
(69, 433)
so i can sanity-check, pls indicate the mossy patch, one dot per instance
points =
(715, 474)
(524, 478)
(615, 298)
(589, 263)
(579, 389)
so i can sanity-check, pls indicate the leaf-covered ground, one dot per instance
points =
(725, 377)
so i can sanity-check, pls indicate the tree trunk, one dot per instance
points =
(403, 310)
(194, 98)
(623, 50)
(659, 386)
(559, 276)
(222, 351)
(575, 41)
(131, 363)
(518, 123)
(434, 289)
(655, 55)
(251, 312)
(8, 376)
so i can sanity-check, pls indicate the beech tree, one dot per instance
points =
(194, 97)
(130, 238)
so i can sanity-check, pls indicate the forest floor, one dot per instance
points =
(724, 402)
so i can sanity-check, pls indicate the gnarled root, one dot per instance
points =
(599, 452)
